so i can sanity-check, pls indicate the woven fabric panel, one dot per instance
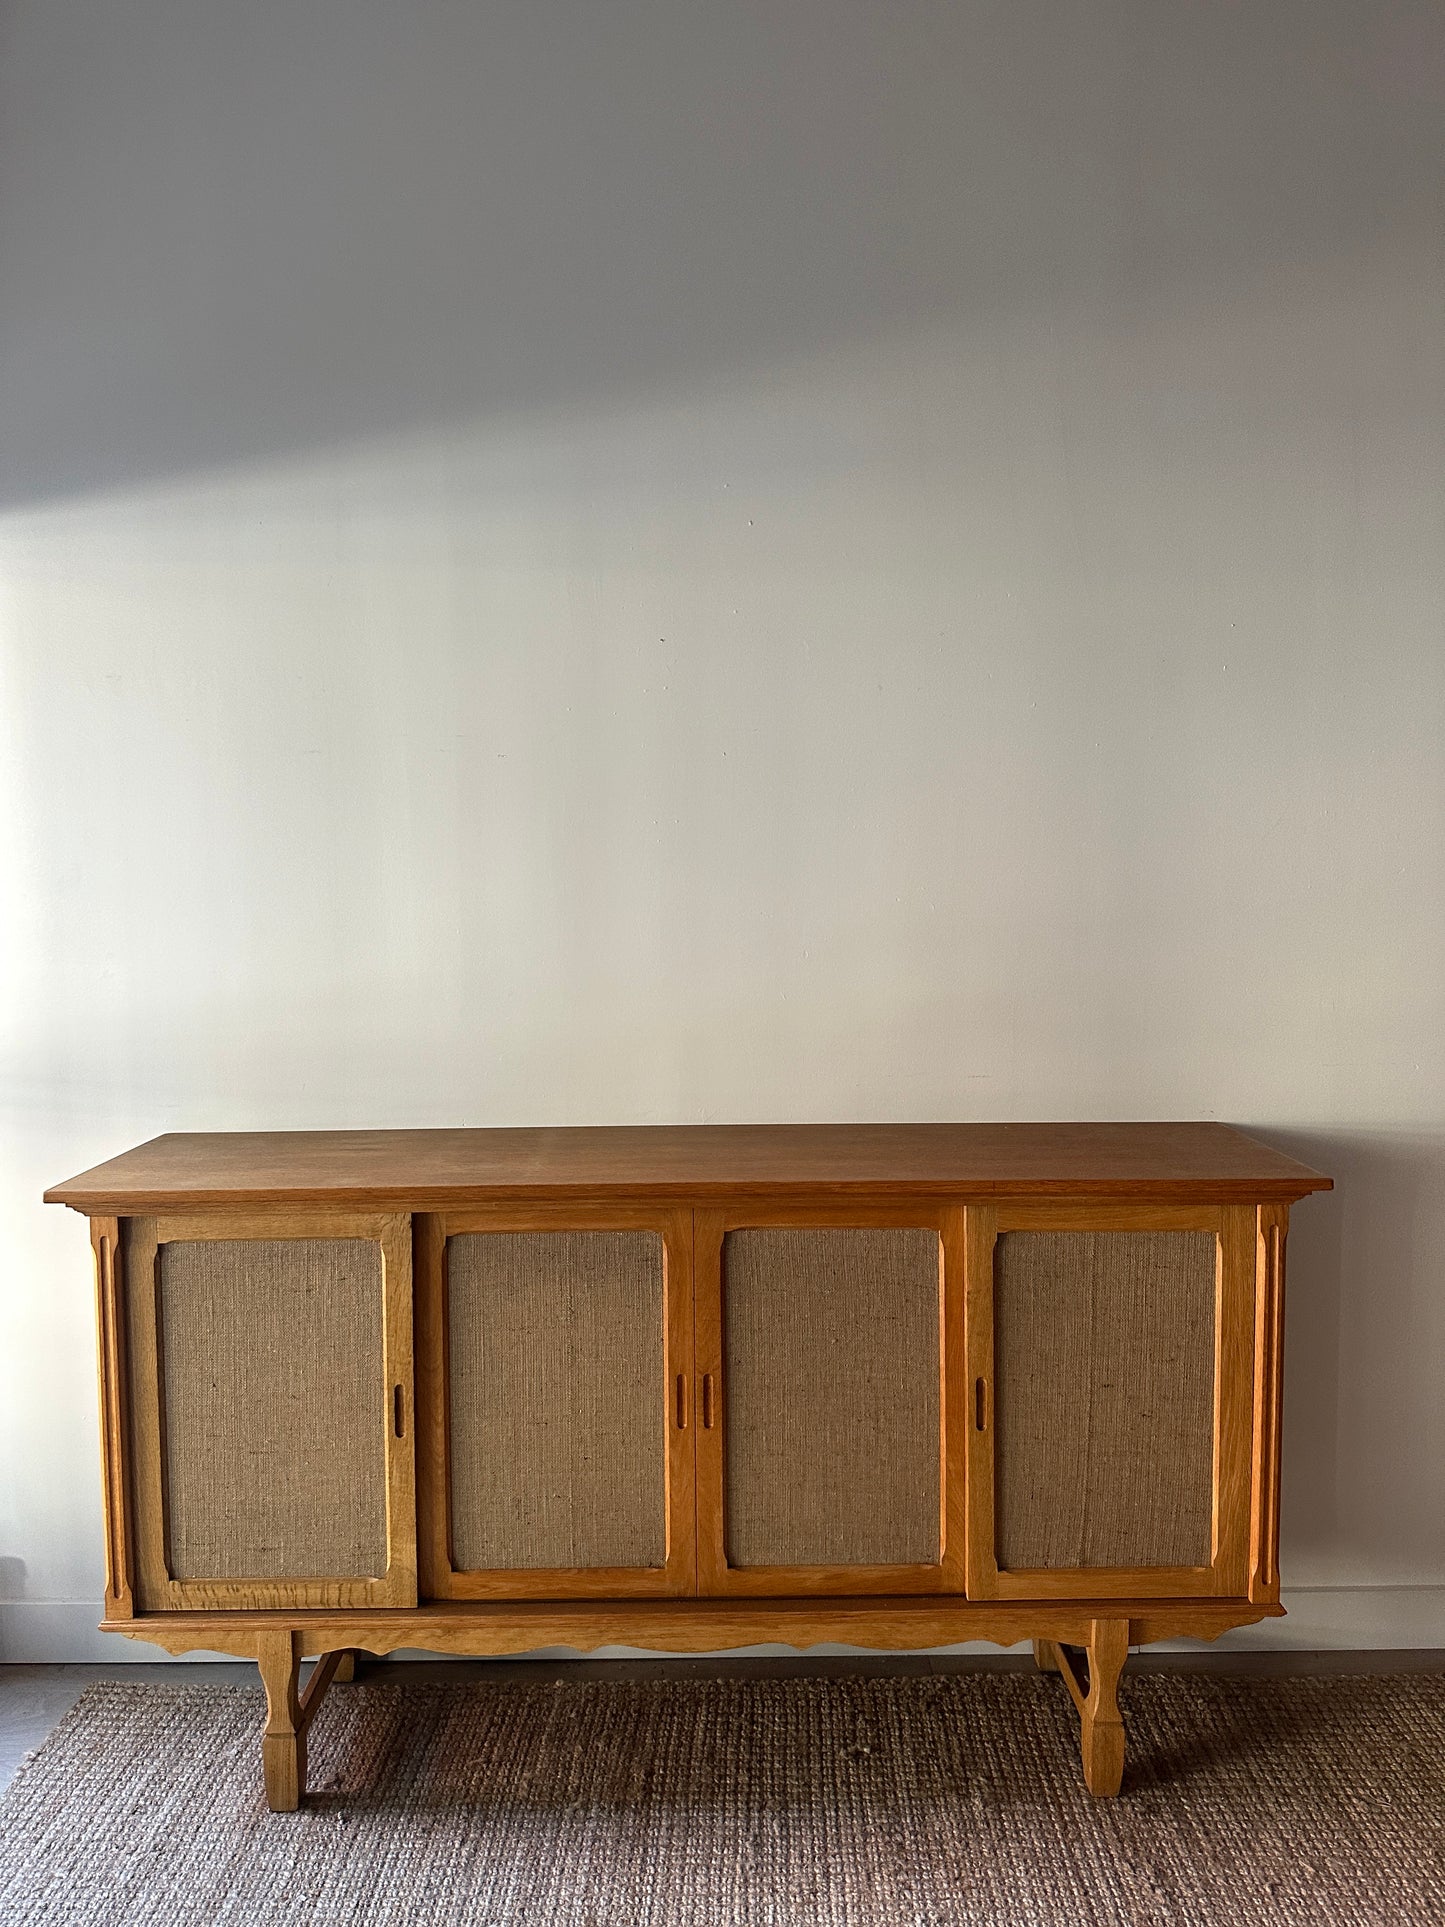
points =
(832, 1420)
(558, 1399)
(1104, 1367)
(275, 1408)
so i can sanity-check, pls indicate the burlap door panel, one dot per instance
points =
(831, 1349)
(557, 1396)
(1104, 1362)
(274, 1408)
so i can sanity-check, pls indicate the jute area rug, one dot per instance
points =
(845, 1801)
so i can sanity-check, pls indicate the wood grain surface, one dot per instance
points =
(423, 1170)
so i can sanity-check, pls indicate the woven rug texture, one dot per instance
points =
(839, 1802)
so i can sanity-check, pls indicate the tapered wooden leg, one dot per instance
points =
(283, 1744)
(1101, 1725)
(1102, 1722)
(289, 1712)
(345, 1670)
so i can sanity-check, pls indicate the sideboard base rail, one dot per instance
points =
(1069, 1637)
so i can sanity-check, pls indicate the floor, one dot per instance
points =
(34, 1699)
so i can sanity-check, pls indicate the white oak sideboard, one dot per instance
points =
(896, 1386)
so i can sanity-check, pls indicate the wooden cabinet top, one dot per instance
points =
(421, 1170)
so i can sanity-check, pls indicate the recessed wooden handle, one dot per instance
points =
(682, 1401)
(980, 1404)
(707, 1400)
(397, 1411)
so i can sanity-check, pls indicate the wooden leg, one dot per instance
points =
(345, 1670)
(289, 1713)
(1045, 1656)
(283, 1744)
(1101, 1725)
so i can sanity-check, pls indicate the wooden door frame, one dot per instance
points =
(141, 1242)
(1272, 1236)
(439, 1577)
(718, 1579)
(1227, 1574)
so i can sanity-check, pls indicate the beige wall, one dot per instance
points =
(568, 563)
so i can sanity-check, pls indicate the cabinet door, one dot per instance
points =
(830, 1401)
(555, 1365)
(271, 1394)
(1111, 1351)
